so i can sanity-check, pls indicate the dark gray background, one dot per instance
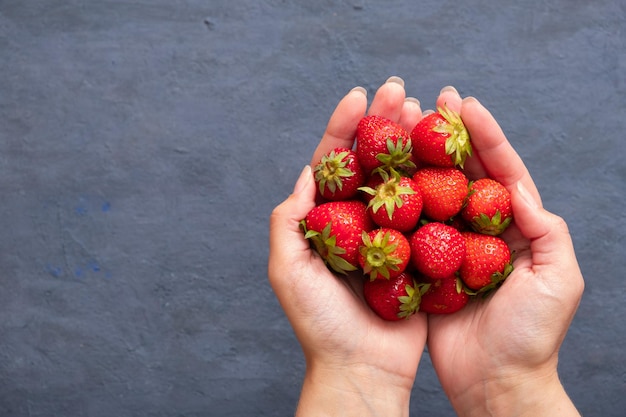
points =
(144, 143)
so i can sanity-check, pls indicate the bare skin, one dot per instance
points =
(358, 364)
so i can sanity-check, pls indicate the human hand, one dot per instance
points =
(356, 363)
(498, 356)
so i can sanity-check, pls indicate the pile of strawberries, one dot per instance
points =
(400, 210)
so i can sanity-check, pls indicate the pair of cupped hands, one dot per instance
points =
(497, 356)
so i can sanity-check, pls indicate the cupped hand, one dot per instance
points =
(499, 355)
(348, 349)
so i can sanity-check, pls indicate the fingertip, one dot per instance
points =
(389, 99)
(303, 179)
(359, 89)
(449, 97)
(395, 79)
(411, 113)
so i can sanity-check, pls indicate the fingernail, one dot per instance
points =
(448, 88)
(412, 100)
(360, 89)
(303, 179)
(526, 196)
(427, 112)
(395, 79)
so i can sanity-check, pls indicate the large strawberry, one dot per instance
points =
(443, 296)
(437, 250)
(488, 207)
(339, 175)
(392, 299)
(487, 261)
(443, 191)
(380, 142)
(394, 201)
(335, 229)
(441, 139)
(385, 253)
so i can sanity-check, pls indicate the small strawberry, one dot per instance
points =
(382, 143)
(339, 175)
(443, 191)
(335, 229)
(394, 201)
(488, 207)
(437, 250)
(392, 299)
(444, 296)
(441, 139)
(385, 253)
(487, 261)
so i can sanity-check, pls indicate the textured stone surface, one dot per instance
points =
(143, 144)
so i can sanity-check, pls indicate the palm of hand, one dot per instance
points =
(505, 332)
(343, 329)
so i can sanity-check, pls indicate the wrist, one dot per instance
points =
(534, 394)
(355, 391)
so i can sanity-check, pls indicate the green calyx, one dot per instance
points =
(331, 170)
(490, 225)
(326, 247)
(388, 193)
(497, 279)
(458, 144)
(398, 155)
(378, 255)
(410, 302)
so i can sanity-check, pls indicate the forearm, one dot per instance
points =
(517, 397)
(346, 394)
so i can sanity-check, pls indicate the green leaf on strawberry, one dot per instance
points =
(326, 247)
(385, 253)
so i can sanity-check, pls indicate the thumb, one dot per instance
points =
(286, 238)
(552, 249)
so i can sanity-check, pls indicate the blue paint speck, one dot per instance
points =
(54, 270)
(106, 206)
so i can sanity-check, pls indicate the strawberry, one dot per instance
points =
(441, 139)
(339, 175)
(382, 143)
(487, 261)
(437, 250)
(443, 191)
(335, 230)
(394, 201)
(385, 253)
(488, 207)
(392, 299)
(444, 296)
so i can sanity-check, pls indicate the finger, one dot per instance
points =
(449, 97)
(389, 99)
(341, 128)
(491, 147)
(411, 113)
(553, 255)
(284, 224)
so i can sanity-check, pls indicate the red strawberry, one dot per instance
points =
(443, 191)
(441, 139)
(437, 250)
(339, 175)
(488, 208)
(380, 142)
(385, 253)
(335, 229)
(392, 299)
(394, 201)
(487, 261)
(444, 296)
